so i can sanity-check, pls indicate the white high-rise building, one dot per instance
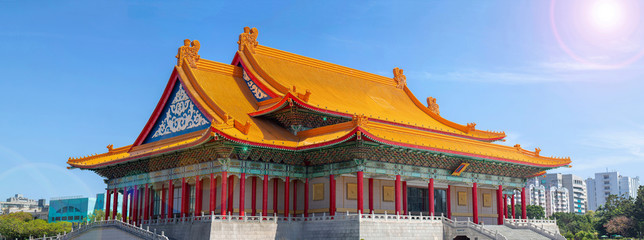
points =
(610, 183)
(577, 192)
(557, 200)
(553, 199)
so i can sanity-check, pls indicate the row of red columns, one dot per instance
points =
(226, 199)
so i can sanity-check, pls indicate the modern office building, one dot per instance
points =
(73, 209)
(577, 193)
(577, 199)
(610, 183)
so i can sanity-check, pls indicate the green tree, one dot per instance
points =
(638, 212)
(97, 215)
(614, 207)
(535, 211)
(22, 225)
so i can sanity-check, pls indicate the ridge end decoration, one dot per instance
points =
(304, 97)
(244, 128)
(248, 39)
(470, 127)
(399, 78)
(432, 105)
(110, 147)
(360, 120)
(537, 151)
(189, 53)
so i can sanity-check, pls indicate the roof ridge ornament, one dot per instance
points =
(189, 52)
(248, 39)
(433, 106)
(399, 78)
(360, 120)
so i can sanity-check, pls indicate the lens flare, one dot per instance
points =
(606, 15)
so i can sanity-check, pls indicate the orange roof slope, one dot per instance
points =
(351, 91)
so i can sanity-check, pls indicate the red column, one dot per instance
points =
(404, 197)
(231, 194)
(131, 207)
(287, 183)
(265, 196)
(274, 196)
(253, 197)
(371, 207)
(360, 191)
(124, 205)
(184, 197)
(224, 197)
(151, 211)
(331, 195)
(397, 194)
(499, 208)
(170, 199)
(135, 206)
(115, 203)
(475, 205)
(430, 192)
(146, 203)
(213, 193)
(198, 197)
(505, 205)
(108, 200)
(524, 214)
(162, 204)
(449, 201)
(512, 202)
(306, 198)
(295, 197)
(242, 193)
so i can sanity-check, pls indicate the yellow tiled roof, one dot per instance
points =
(221, 92)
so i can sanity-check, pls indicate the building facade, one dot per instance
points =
(275, 133)
(577, 199)
(73, 208)
(610, 183)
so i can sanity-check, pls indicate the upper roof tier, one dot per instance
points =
(206, 100)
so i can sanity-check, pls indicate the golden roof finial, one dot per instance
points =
(110, 147)
(248, 39)
(537, 151)
(471, 127)
(399, 77)
(432, 105)
(189, 53)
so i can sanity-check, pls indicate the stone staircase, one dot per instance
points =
(512, 234)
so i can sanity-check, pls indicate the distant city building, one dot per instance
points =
(553, 199)
(74, 209)
(19, 203)
(577, 193)
(575, 186)
(557, 200)
(610, 183)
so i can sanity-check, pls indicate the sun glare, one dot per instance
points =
(606, 15)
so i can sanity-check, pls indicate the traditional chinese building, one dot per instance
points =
(276, 133)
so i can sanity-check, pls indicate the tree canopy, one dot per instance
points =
(21, 225)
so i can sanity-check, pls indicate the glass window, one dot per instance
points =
(176, 209)
(192, 198)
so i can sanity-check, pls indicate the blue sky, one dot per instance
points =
(567, 78)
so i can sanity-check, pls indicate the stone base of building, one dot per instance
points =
(346, 227)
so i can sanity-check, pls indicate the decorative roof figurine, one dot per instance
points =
(399, 77)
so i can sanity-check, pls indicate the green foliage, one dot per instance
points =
(96, 216)
(21, 225)
(574, 223)
(535, 211)
(616, 207)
